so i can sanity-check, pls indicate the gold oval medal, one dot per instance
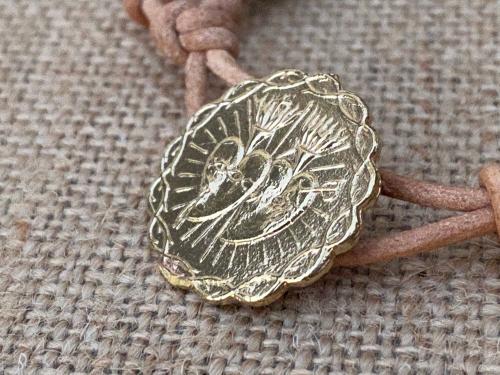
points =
(265, 187)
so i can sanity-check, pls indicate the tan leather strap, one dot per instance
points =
(201, 34)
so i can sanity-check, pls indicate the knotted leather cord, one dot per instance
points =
(201, 35)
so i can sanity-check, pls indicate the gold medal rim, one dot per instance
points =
(374, 192)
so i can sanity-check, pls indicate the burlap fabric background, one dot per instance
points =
(86, 107)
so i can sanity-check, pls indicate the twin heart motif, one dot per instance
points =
(267, 193)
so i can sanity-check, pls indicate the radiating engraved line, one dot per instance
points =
(181, 217)
(264, 253)
(217, 235)
(191, 231)
(339, 142)
(188, 174)
(184, 189)
(247, 258)
(209, 133)
(223, 125)
(342, 148)
(280, 247)
(178, 206)
(295, 239)
(327, 167)
(304, 113)
(198, 148)
(232, 257)
(219, 253)
(194, 161)
(250, 120)
(286, 153)
(206, 230)
(238, 122)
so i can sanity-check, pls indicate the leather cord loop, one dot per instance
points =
(201, 34)
(182, 29)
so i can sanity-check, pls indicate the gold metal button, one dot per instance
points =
(265, 187)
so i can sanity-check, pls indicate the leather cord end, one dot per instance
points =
(490, 178)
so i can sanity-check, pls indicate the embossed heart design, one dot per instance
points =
(229, 178)
(265, 188)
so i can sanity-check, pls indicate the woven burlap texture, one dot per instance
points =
(86, 107)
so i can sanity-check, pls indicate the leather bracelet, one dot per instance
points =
(201, 36)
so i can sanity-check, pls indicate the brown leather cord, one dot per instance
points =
(184, 30)
(201, 34)
(425, 238)
(432, 195)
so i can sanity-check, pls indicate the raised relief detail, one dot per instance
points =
(264, 188)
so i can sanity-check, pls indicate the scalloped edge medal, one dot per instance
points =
(265, 188)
